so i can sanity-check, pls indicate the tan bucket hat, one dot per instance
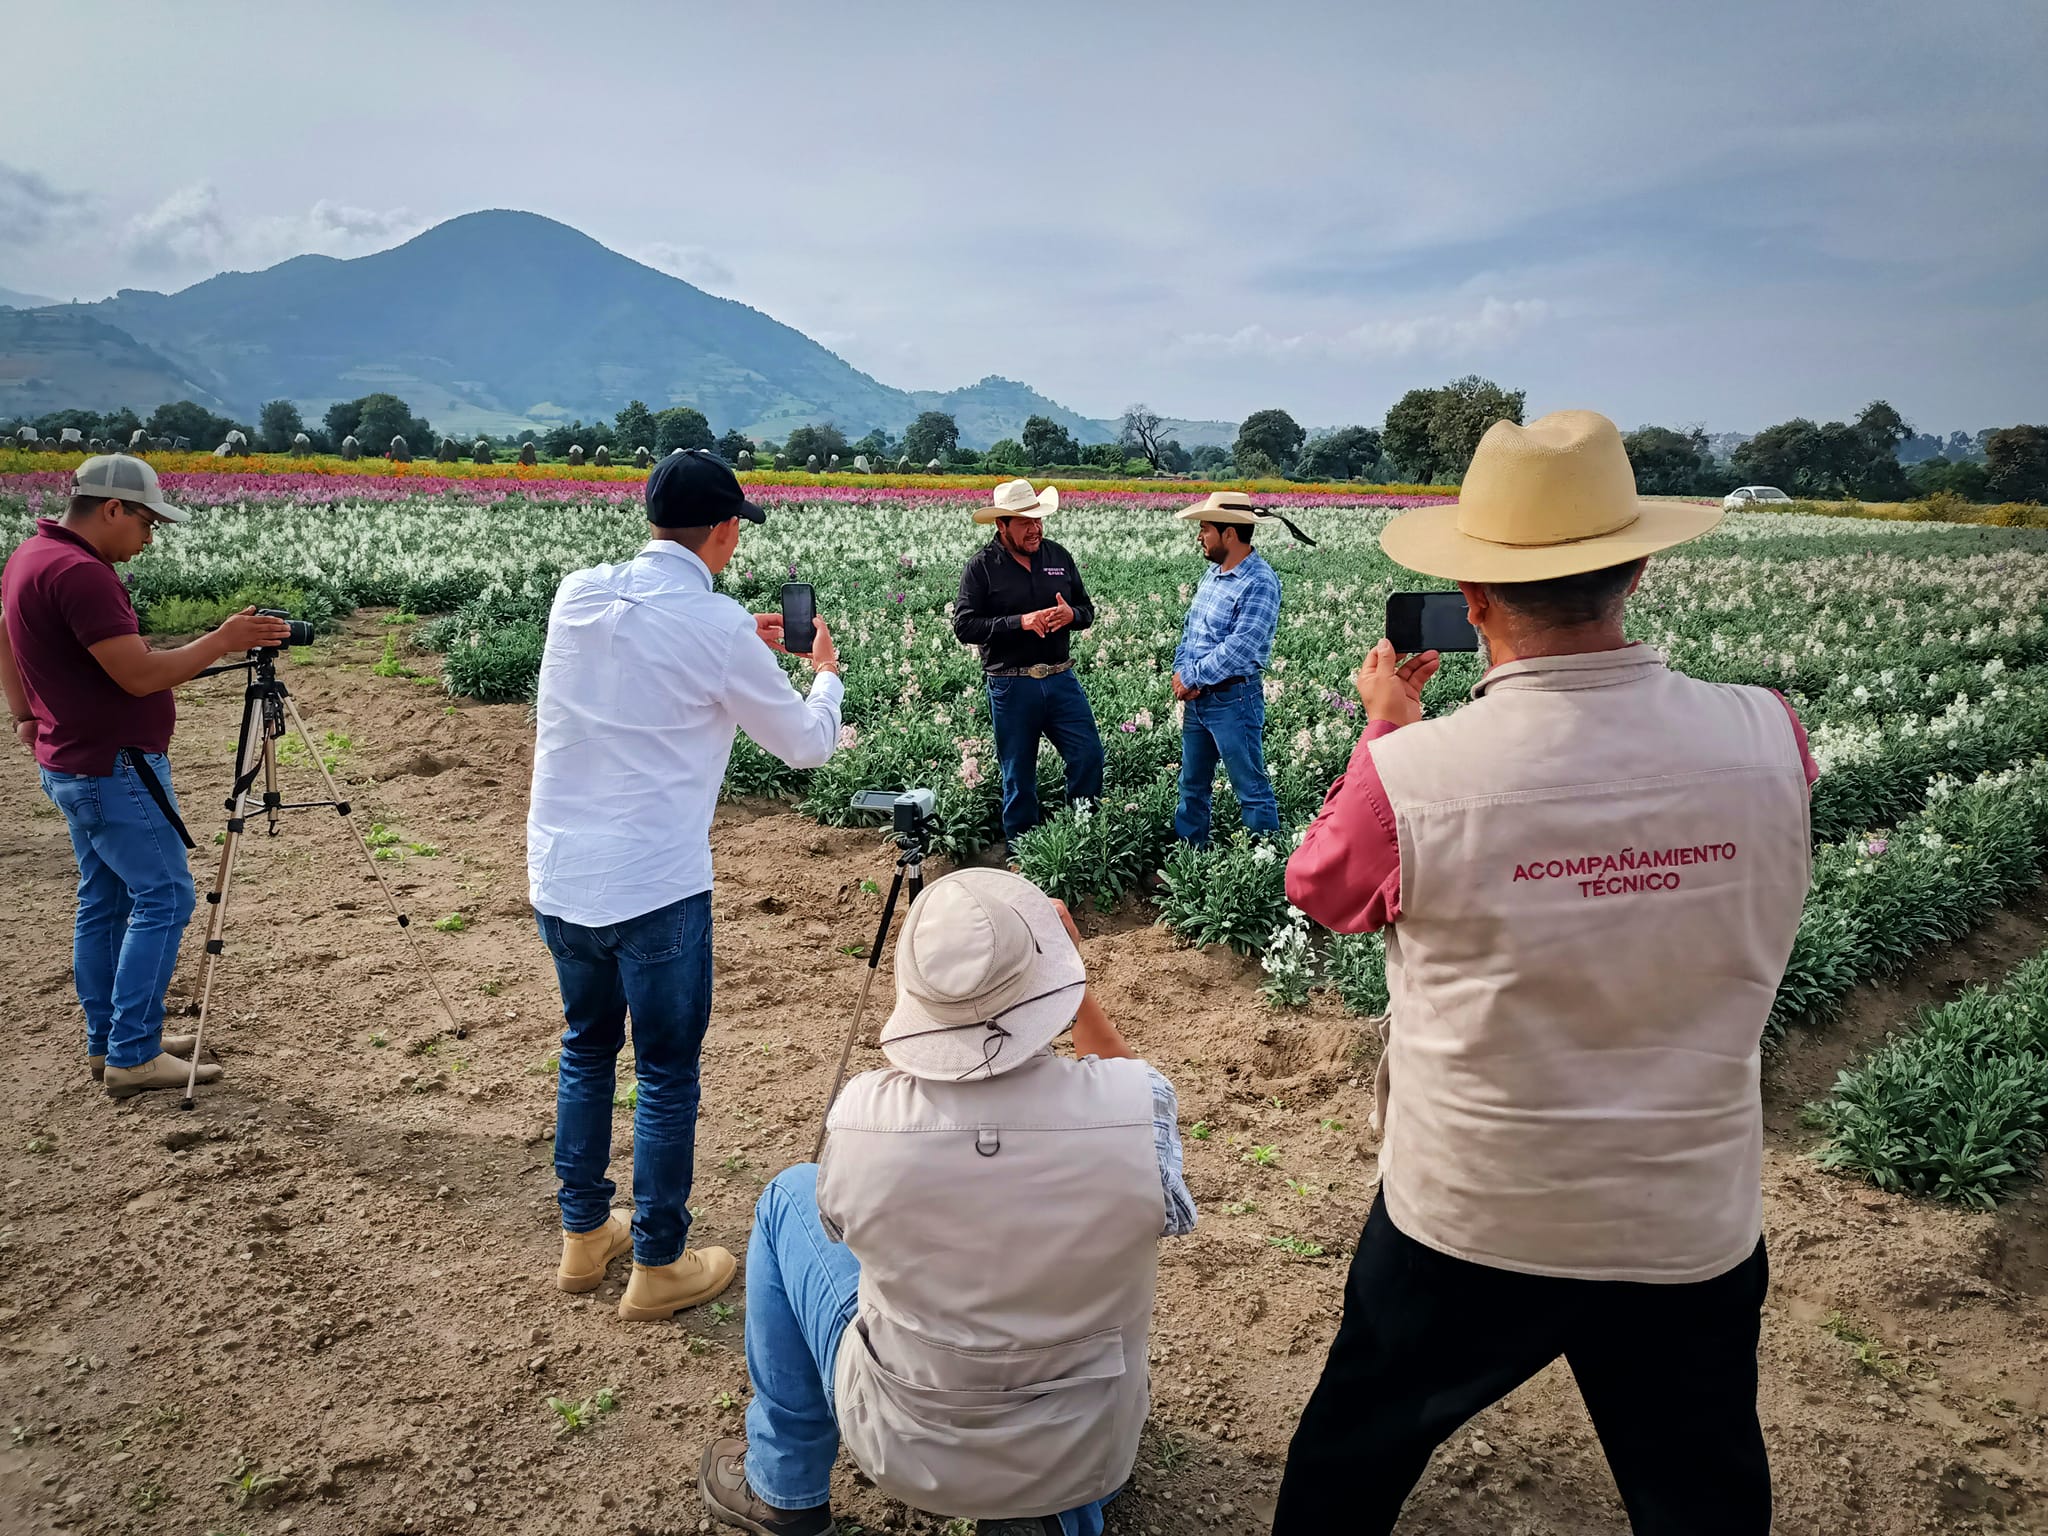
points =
(1015, 498)
(1554, 498)
(986, 977)
(1237, 507)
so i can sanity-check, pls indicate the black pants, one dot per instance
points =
(1668, 1373)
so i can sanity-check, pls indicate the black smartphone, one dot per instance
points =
(799, 618)
(1429, 621)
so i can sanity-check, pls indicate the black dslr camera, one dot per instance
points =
(299, 632)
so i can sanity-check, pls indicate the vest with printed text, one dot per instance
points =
(1602, 869)
(1008, 1235)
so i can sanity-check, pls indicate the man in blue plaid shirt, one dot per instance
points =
(1224, 647)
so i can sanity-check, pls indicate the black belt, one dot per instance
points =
(1226, 682)
(1036, 669)
(158, 793)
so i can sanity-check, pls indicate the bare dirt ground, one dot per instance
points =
(324, 1302)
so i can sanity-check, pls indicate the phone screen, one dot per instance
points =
(799, 613)
(1429, 621)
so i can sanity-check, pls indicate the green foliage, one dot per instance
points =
(1231, 893)
(2016, 464)
(822, 441)
(1345, 454)
(680, 426)
(1089, 852)
(1356, 965)
(1432, 433)
(197, 615)
(634, 426)
(1272, 434)
(276, 425)
(1047, 442)
(1957, 1108)
(1289, 963)
(374, 420)
(934, 435)
(1835, 459)
(1674, 463)
(203, 429)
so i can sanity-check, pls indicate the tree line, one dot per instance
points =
(1427, 437)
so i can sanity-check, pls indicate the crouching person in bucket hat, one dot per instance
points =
(962, 1288)
(1590, 878)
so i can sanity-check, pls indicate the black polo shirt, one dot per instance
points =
(995, 594)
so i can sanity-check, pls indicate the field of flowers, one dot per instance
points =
(1917, 653)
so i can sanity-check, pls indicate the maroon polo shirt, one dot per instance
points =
(62, 598)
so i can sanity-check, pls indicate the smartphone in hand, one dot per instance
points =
(1429, 621)
(799, 618)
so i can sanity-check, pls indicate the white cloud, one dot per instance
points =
(1494, 322)
(692, 263)
(32, 210)
(190, 234)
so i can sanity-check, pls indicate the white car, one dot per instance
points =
(1751, 496)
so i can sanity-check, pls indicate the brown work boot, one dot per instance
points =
(163, 1072)
(176, 1045)
(661, 1290)
(585, 1254)
(722, 1484)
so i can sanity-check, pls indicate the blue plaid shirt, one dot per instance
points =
(1231, 622)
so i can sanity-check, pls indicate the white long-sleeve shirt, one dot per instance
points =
(646, 675)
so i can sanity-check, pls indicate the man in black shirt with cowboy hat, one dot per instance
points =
(1018, 598)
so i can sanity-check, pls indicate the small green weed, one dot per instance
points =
(1333, 1125)
(1172, 1452)
(491, 988)
(1300, 1247)
(1302, 1187)
(725, 1402)
(577, 1417)
(1240, 1208)
(429, 1045)
(628, 1098)
(249, 1484)
(722, 1313)
(1201, 1130)
(380, 1039)
(454, 922)
(147, 1498)
(42, 1144)
(390, 665)
(1864, 1346)
(1262, 1157)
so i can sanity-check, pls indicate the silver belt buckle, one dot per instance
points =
(1040, 670)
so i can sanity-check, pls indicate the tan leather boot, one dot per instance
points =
(165, 1071)
(585, 1254)
(175, 1045)
(662, 1290)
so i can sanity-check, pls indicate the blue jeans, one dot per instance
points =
(134, 898)
(801, 1291)
(1226, 725)
(1022, 710)
(657, 967)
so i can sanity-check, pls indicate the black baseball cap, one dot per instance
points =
(695, 488)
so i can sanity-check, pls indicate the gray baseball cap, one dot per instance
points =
(125, 478)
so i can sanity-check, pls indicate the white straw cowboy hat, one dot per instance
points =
(1015, 498)
(1554, 498)
(986, 977)
(1236, 507)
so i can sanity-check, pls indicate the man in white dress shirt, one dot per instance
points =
(646, 675)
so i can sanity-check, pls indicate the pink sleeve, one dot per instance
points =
(1347, 872)
(1799, 733)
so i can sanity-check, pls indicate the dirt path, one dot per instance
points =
(323, 1302)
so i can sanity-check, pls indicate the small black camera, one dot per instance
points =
(910, 810)
(298, 631)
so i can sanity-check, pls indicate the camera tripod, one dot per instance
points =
(910, 872)
(265, 705)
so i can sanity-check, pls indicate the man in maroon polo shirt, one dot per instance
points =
(93, 702)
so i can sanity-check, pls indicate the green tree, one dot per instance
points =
(383, 416)
(1103, 455)
(1209, 459)
(1463, 411)
(1173, 458)
(1345, 454)
(558, 440)
(1005, 454)
(2016, 464)
(732, 444)
(680, 426)
(934, 435)
(824, 441)
(277, 424)
(1256, 464)
(1271, 433)
(1967, 479)
(1047, 442)
(1406, 437)
(877, 444)
(634, 427)
(1668, 462)
(193, 422)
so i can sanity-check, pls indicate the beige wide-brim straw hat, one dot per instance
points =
(1554, 498)
(1015, 498)
(1223, 507)
(986, 977)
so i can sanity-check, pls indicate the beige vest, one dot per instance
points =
(1008, 1237)
(1602, 869)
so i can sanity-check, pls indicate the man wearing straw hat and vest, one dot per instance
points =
(1590, 877)
(962, 1288)
(1224, 647)
(1019, 596)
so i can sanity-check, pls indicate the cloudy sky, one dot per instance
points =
(1726, 214)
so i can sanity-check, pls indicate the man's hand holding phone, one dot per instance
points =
(1391, 687)
(823, 654)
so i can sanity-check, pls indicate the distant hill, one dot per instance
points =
(65, 358)
(490, 322)
(11, 299)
